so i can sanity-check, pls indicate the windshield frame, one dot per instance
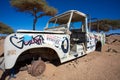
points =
(71, 16)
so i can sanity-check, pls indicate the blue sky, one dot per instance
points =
(102, 9)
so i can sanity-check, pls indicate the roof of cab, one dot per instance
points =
(76, 17)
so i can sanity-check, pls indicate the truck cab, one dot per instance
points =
(75, 24)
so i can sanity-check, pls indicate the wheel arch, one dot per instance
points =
(17, 58)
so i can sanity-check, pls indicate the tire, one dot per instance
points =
(37, 68)
(99, 46)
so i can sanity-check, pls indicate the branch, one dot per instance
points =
(41, 15)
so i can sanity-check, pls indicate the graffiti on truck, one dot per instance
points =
(54, 40)
(65, 45)
(26, 40)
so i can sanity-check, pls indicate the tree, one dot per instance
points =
(37, 8)
(105, 25)
(4, 29)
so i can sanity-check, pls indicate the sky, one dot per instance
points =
(101, 9)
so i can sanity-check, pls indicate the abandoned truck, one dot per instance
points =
(65, 37)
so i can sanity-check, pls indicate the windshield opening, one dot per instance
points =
(59, 21)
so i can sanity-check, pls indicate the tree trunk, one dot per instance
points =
(34, 22)
(35, 19)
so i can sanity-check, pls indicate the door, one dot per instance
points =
(90, 42)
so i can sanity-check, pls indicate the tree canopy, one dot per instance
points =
(105, 25)
(4, 29)
(36, 8)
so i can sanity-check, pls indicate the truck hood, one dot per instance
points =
(36, 31)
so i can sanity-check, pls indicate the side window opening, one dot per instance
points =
(75, 25)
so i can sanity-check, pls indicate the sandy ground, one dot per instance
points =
(103, 65)
(1, 46)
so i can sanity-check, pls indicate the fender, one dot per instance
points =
(16, 44)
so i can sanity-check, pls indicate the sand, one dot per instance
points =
(103, 65)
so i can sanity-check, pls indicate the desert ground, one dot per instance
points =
(103, 65)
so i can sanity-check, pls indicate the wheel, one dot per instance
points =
(37, 68)
(98, 49)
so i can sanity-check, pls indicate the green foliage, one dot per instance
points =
(105, 25)
(36, 8)
(4, 29)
